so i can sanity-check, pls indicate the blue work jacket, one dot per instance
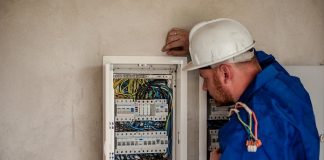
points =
(285, 116)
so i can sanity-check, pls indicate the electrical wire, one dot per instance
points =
(253, 144)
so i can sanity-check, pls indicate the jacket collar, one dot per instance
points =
(266, 75)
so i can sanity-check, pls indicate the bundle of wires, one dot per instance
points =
(145, 126)
(155, 89)
(253, 142)
(127, 88)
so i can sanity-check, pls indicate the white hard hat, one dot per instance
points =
(216, 41)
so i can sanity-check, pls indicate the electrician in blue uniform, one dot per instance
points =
(233, 71)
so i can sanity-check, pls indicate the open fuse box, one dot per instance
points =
(145, 108)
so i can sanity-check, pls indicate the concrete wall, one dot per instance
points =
(51, 55)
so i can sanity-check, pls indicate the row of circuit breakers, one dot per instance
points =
(217, 116)
(143, 116)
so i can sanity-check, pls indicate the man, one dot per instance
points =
(283, 124)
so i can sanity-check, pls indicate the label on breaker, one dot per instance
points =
(141, 145)
(141, 76)
(130, 110)
(141, 134)
(218, 113)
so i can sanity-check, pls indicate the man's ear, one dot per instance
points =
(225, 72)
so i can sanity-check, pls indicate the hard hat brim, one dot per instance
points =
(190, 66)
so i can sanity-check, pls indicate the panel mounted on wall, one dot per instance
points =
(145, 107)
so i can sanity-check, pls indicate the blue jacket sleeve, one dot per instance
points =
(280, 141)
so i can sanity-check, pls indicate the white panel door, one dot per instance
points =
(312, 78)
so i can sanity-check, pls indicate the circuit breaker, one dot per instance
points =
(145, 110)
(211, 119)
(217, 116)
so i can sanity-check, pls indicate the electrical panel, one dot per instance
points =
(211, 118)
(145, 108)
(217, 116)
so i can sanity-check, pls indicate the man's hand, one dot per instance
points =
(177, 42)
(215, 155)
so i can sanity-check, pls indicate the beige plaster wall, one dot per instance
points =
(51, 55)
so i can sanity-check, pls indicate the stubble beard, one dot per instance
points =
(222, 97)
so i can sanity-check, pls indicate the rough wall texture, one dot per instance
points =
(51, 55)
